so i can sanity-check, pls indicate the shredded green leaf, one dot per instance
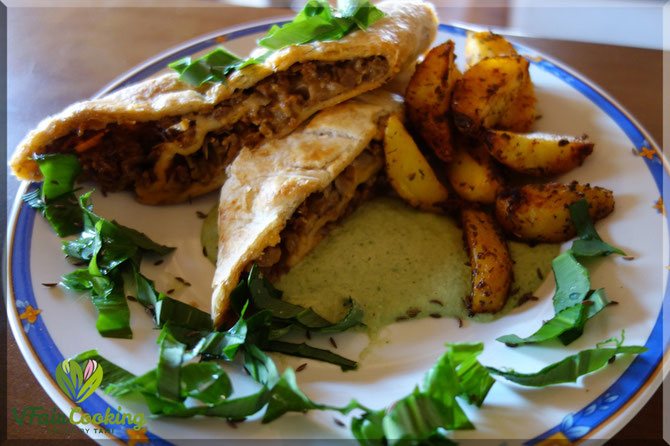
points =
(572, 281)
(55, 198)
(574, 302)
(317, 22)
(572, 367)
(114, 253)
(589, 243)
(567, 324)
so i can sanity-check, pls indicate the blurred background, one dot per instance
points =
(635, 23)
(618, 22)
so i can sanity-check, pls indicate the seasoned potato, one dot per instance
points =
(493, 94)
(538, 154)
(473, 175)
(520, 115)
(540, 212)
(479, 46)
(408, 171)
(428, 98)
(490, 259)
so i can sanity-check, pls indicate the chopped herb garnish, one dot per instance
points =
(318, 21)
(589, 243)
(572, 367)
(55, 197)
(574, 302)
(113, 252)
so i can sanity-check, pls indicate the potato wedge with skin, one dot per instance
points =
(490, 260)
(540, 212)
(473, 174)
(520, 115)
(538, 154)
(428, 98)
(488, 95)
(408, 171)
(481, 45)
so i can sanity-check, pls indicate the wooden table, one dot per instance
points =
(60, 55)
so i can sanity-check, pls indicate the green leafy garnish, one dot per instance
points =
(572, 281)
(428, 411)
(317, 22)
(265, 296)
(215, 66)
(55, 197)
(589, 243)
(113, 252)
(574, 301)
(567, 324)
(572, 367)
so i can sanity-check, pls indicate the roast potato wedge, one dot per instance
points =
(540, 212)
(428, 98)
(408, 171)
(537, 154)
(481, 45)
(473, 174)
(490, 260)
(520, 114)
(494, 93)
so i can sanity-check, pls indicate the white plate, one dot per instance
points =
(595, 407)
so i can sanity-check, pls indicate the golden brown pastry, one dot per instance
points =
(170, 141)
(281, 198)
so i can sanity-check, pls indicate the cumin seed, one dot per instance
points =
(437, 302)
(50, 285)
(201, 214)
(339, 423)
(158, 262)
(131, 298)
(332, 342)
(539, 274)
(179, 279)
(413, 312)
(460, 322)
(435, 315)
(629, 258)
(301, 367)
(170, 291)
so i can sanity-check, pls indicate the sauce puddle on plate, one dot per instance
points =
(397, 263)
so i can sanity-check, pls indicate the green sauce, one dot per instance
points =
(400, 263)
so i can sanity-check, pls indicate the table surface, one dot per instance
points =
(57, 56)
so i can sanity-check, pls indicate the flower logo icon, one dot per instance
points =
(78, 384)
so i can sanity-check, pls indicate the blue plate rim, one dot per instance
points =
(635, 132)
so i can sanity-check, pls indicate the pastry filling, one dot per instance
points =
(181, 150)
(316, 217)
